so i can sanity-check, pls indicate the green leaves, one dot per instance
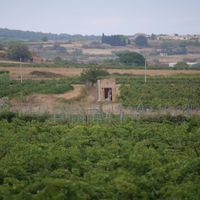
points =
(131, 58)
(165, 92)
(16, 88)
(92, 74)
(142, 159)
(19, 51)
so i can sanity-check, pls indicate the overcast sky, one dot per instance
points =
(102, 16)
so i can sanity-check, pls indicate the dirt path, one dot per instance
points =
(46, 102)
(74, 94)
(86, 104)
(71, 72)
(79, 100)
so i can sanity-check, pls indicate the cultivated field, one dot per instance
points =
(177, 92)
(15, 72)
(154, 158)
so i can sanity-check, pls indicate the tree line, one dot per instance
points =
(115, 40)
(31, 35)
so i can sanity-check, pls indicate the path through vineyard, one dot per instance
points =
(79, 100)
(46, 102)
(82, 101)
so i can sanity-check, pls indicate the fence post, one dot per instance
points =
(121, 116)
(86, 118)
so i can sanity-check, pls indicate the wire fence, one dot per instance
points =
(96, 112)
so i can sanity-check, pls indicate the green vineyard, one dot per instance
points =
(14, 88)
(152, 158)
(162, 92)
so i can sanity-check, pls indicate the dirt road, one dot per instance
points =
(46, 102)
(71, 72)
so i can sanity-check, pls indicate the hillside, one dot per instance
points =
(31, 35)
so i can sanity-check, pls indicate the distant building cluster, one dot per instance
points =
(177, 37)
(186, 37)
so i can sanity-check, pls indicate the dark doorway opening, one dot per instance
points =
(108, 93)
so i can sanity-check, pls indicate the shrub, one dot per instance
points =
(92, 74)
(181, 65)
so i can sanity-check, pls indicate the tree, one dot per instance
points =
(153, 36)
(57, 59)
(141, 41)
(115, 40)
(131, 58)
(19, 51)
(181, 65)
(1, 47)
(45, 38)
(92, 74)
(77, 52)
(58, 48)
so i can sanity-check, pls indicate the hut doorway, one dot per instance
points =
(108, 94)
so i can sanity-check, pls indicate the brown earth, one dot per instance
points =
(46, 102)
(79, 100)
(71, 72)
(15, 72)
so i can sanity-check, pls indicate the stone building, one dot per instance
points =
(106, 90)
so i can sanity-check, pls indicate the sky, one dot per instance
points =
(89, 17)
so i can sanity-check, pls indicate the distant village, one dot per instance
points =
(178, 37)
(194, 37)
(161, 50)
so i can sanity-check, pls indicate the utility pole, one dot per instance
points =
(145, 70)
(21, 69)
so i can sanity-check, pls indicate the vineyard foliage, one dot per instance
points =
(162, 92)
(138, 159)
(14, 88)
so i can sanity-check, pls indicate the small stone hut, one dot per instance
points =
(106, 90)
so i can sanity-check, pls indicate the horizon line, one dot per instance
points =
(97, 35)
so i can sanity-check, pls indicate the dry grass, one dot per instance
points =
(71, 72)
(177, 58)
